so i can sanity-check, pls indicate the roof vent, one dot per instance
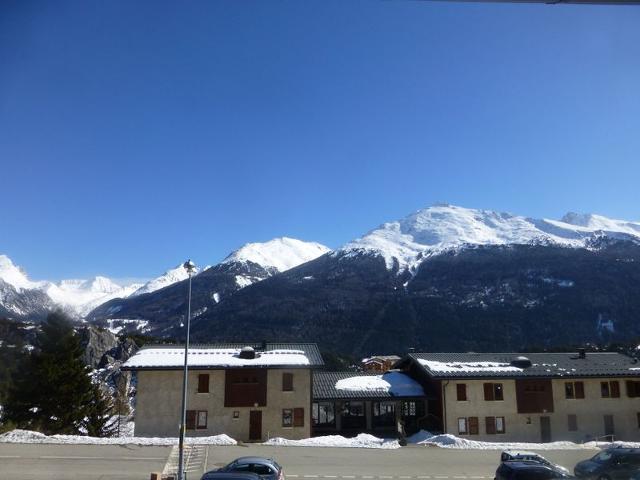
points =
(521, 362)
(247, 353)
(582, 353)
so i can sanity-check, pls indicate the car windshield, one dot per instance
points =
(602, 457)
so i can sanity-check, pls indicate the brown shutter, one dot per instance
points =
(298, 417)
(191, 420)
(488, 391)
(287, 382)
(203, 383)
(461, 390)
(490, 425)
(615, 389)
(579, 389)
(473, 426)
(573, 423)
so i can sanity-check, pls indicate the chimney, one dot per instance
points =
(582, 353)
(412, 350)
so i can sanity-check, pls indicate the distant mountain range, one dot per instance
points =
(444, 277)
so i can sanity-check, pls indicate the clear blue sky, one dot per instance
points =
(135, 134)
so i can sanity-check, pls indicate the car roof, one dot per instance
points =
(262, 460)
(521, 452)
(518, 464)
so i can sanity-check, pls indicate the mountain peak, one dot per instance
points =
(281, 253)
(14, 275)
(171, 276)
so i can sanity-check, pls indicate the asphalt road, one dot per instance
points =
(89, 462)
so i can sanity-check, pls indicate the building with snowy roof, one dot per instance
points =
(250, 392)
(532, 397)
(349, 403)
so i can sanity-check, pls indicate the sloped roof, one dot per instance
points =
(543, 365)
(326, 386)
(226, 355)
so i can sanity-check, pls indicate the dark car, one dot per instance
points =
(522, 455)
(215, 475)
(610, 464)
(264, 468)
(528, 470)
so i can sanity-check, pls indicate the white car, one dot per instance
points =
(520, 455)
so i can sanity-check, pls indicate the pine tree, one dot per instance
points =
(53, 392)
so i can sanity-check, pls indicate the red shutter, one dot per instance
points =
(579, 389)
(488, 391)
(298, 417)
(461, 390)
(615, 389)
(287, 382)
(191, 420)
(473, 426)
(490, 425)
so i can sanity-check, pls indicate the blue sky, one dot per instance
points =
(136, 134)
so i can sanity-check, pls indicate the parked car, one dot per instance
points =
(520, 455)
(610, 464)
(264, 468)
(215, 475)
(528, 470)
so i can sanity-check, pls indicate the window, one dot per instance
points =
(493, 391)
(574, 390)
(384, 414)
(638, 418)
(245, 387)
(610, 389)
(468, 426)
(287, 417)
(203, 383)
(196, 419)
(494, 425)
(461, 390)
(352, 415)
(462, 426)
(573, 423)
(408, 409)
(322, 414)
(298, 417)
(287, 382)
(633, 388)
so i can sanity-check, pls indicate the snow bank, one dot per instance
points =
(27, 436)
(447, 440)
(363, 440)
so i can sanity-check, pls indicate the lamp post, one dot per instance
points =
(190, 267)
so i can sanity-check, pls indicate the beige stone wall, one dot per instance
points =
(590, 412)
(158, 402)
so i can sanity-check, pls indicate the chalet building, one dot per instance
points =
(251, 393)
(533, 397)
(379, 363)
(385, 405)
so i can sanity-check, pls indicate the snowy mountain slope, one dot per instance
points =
(170, 277)
(280, 253)
(15, 276)
(407, 242)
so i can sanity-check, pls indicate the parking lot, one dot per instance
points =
(84, 462)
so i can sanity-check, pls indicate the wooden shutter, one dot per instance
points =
(298, 417)
(573, 423)
(490, 423)
(461, 390)
(579, 389)
(488, 391)
(191, 420)
(203, 383)
(287, 382)
(473, 426)
(615, 389)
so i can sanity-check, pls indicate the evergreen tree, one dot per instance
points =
(52, 392)
(100, 421)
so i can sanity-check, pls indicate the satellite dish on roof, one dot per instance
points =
(521, 362)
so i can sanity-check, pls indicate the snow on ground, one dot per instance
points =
(27, 436)
(364, 440)
(395, 383)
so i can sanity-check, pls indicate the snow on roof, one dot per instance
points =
(171, 358)
(465, 367)
(394, 383)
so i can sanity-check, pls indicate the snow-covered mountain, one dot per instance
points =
(407, 242)
(170, 277)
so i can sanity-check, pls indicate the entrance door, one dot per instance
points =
(255, 425)
(545, 429)
(609, 428)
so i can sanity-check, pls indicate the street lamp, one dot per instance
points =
(190, 267)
